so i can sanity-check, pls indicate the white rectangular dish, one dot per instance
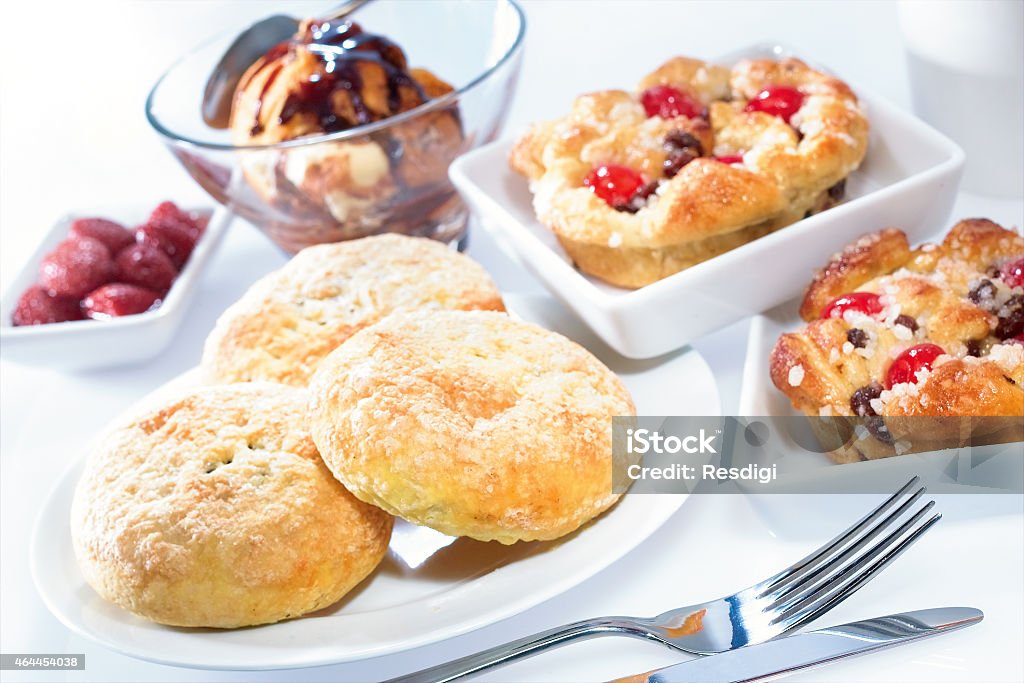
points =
(908, 179)
(86, 344)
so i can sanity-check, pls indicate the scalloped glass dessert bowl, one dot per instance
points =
(315, 188)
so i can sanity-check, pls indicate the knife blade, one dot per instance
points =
(803, 651)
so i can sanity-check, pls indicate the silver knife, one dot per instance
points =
(803, 651)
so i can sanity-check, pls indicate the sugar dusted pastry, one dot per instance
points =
(292, 318)
(699, 160)
(471, 423)
(214, 509)
(894, 332)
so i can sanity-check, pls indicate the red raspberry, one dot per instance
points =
(668, 102)
(777, 100)
(730, 159)
(117, 299)
(906, 365)
(146, 266)
(37, 307)
(175, 239)
(77, 266)
(865, 302)
(168, 212)
(114, 236)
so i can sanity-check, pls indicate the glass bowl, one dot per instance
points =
(314, 189)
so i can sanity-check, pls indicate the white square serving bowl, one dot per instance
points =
(88, 344)
(908, 179)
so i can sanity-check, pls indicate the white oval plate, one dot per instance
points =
(429, 587)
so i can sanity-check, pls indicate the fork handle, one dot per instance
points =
(500, 655)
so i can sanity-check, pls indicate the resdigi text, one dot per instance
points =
(645, 441)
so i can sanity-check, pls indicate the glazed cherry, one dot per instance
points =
(730, 159)
(777, 100)
(906, 366)
(862, 302)
(1012, 273)
(613, 183)
(668, 102)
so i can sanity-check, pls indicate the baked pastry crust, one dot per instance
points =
(943, 290)
(707, 207)
(289, 320)
(215, 509)
(471, 423)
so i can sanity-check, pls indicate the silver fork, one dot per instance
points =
(794, 596)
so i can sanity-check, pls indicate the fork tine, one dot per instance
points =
(849, 580)
(862, 578)
(802, 566)
(802, 579)
(811, 591)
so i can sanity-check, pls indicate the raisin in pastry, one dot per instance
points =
(699, 160)
(899, 336)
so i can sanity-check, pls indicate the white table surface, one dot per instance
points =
(73, 135)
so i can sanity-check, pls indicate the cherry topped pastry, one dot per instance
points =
(719, 156)
(899, 334)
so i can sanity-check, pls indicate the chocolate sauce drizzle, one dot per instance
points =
(341, 47)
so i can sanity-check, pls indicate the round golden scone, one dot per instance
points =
(471, 423)
(216, 510)
(289, 320)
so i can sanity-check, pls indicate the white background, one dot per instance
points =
(74, 77)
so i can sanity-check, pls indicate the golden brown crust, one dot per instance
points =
(783, 176)
(964, 386)
(708, 82)
(634, 266)
(979, 243)
(947, 294)
(291, 319)
(822, 383)
(870, 256)
(215, 509)
(471, 423)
